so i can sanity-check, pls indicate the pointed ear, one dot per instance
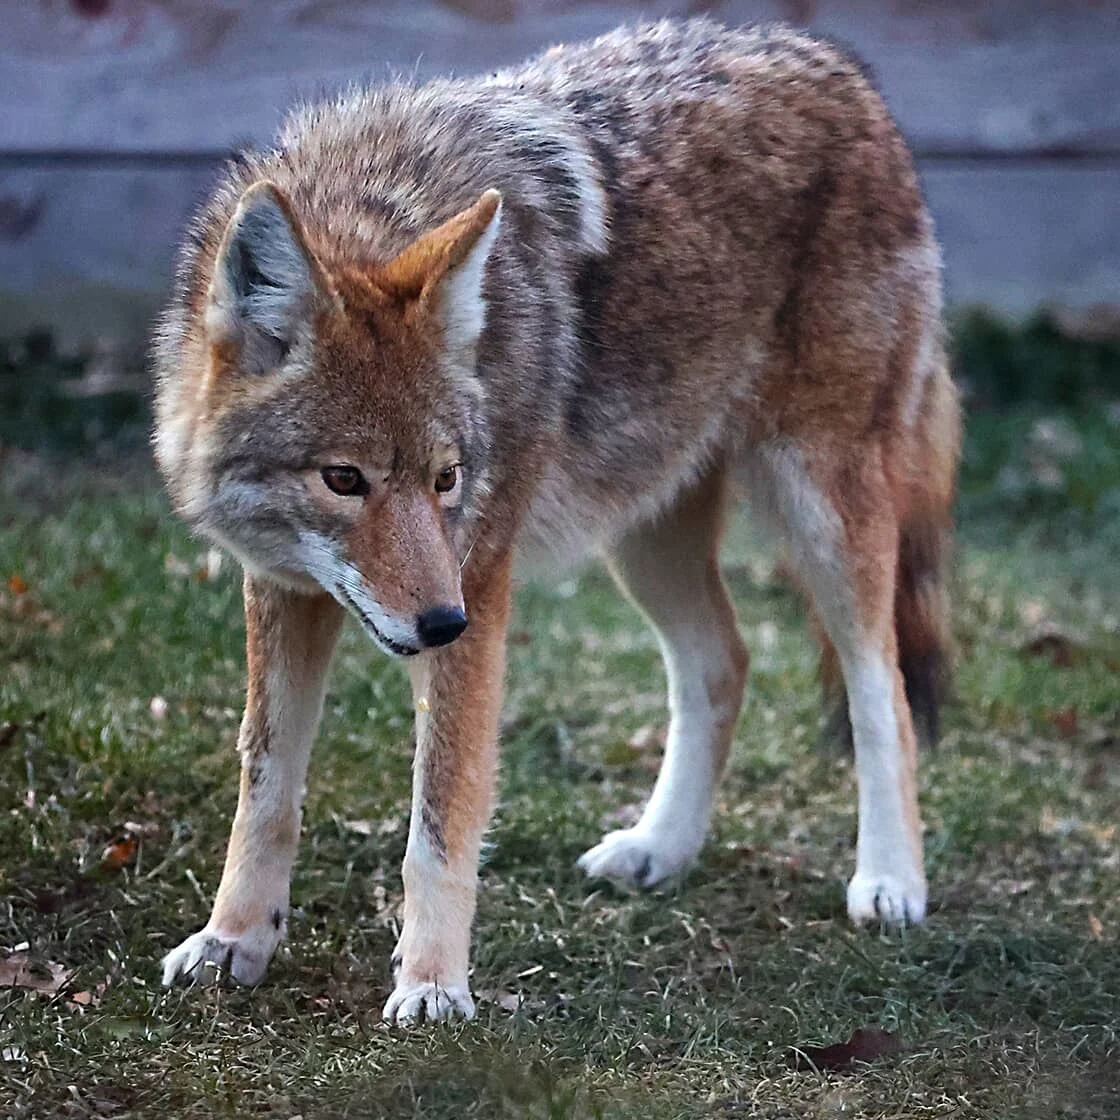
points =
(443, 269)
(264, 280)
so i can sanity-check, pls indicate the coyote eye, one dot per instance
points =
(345, 480)
(447, 480)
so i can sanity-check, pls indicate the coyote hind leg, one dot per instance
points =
(670, 570)
(844, 538)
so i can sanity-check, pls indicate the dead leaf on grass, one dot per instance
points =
(17, 585)
(21, 970)
(1096, 927)
(866, 1044)
(81, 1001)
(23, 607)
(1061, 650)
(1064, 721)
(120, 852)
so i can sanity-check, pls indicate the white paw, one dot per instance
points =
(639, 857)
(888, 899)
(211, 956)
(427, 1002)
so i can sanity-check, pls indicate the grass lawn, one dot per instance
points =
(121, 671)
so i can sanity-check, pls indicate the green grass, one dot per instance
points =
(678, 1003)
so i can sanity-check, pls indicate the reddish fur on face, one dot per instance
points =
(404, 541)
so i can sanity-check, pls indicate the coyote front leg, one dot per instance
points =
(458, 695)
(290, 640)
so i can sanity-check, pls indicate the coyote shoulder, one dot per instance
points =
(568, 308)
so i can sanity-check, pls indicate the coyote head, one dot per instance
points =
(329, 427)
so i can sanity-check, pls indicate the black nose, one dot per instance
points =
(440, 625)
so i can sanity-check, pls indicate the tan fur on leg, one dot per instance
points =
(840, 522)
(290, 641)
(458, 690)
(670, 569)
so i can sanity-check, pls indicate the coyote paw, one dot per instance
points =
(210, 956)
(638, 857)
(427, 1001)
(889, 899)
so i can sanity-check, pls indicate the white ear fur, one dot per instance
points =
(462, 304)
(263, 280)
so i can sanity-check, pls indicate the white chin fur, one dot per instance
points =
(349, 588)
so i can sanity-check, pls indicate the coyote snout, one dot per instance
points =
(395, 570)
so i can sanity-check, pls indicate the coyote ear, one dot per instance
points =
(444, 268)
(264, 280)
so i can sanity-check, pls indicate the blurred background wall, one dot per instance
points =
(116, 114)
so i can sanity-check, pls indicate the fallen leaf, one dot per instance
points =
(1064, 721)
(120, 852)
(866, 1045)
(17, 585)
(21, 970)
(1096, 927)
(1060, 650)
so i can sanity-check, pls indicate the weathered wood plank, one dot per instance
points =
(88, 252)
(1015, 237)
(203, 76)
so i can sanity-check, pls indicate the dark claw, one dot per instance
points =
(643, 872)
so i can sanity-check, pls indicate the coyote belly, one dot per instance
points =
(564, 308)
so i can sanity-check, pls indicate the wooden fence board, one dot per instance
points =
(88, 252)
(202, 76)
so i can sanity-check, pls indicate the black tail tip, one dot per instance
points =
(926, 679)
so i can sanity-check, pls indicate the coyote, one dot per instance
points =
(567, 309)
